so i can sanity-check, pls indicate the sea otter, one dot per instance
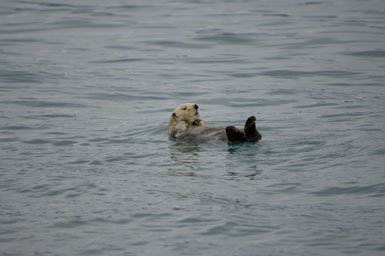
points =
(186, 124)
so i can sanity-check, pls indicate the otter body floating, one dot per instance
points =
(185, 123)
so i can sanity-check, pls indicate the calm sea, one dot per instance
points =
(86, 91)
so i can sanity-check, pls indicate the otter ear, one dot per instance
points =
(173, 115)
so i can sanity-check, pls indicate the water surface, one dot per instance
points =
(86, 90)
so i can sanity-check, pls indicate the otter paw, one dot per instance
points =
(251, 133)
(234, 134)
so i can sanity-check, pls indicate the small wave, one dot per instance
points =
(283, 15)
(312, 43)
(22, 127)
(244, 102)
(64, 143)
(150, 216)
(52, 142)
(371, 54)
(193, 220)
(110, 220)
(295, 74)
(121, 97)
(37, 141)
(50, 116)
(237, 228)
(129, 6)
(19, 77)
(380, 152)
(12, 139)
(70, 224)
(342, 115)
(374, 190)
(313, 3)
(243, 75)
(116, 159)
(177, 44)
(227, 38)
(320, 104)
(357, 84)
(120, 60)
(218, 60)
(43, 104)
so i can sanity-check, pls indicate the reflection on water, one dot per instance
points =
(185, 152)
(182, 148)
(186, 157)
(242, 160)
(237, 160)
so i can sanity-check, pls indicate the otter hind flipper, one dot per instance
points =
(234, 134)
(251, 133)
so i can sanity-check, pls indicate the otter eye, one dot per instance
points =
(184, 108)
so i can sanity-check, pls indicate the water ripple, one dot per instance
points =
(176, 44)
(370, 54)
(227, 38)
(377, 190)
(44, 104)
(19, 77)
(295, 74)
(120, 60)
(121, 97)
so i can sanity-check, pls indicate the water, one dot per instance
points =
(86, 90)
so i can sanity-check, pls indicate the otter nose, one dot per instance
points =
(196, 106)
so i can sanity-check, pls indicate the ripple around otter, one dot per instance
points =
(86, 92)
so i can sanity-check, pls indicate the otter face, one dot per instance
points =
(187, 112)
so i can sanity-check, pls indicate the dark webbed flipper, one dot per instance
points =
(234, 135)
(251, 133)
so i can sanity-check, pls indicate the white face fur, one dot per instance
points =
(188, 114)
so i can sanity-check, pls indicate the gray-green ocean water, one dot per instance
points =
(86, 90)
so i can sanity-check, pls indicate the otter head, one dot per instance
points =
(187, 113)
